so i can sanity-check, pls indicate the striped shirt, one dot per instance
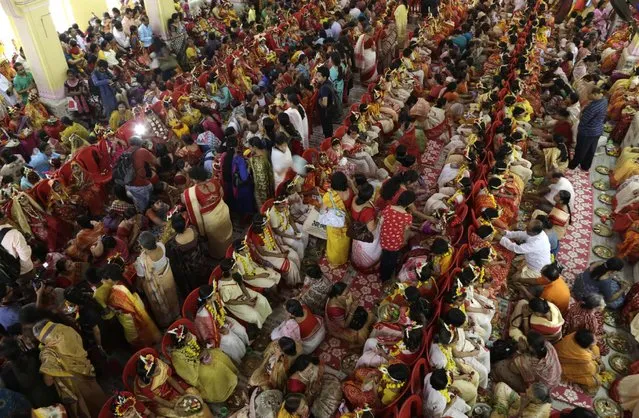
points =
(593, 117)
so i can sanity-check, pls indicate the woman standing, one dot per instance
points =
(139, 329)
(261, 171)
(281, 159)
(64, 363)
(338, 198)
(336, 74)
(601, 278)
(366, 255)
(208, 211)
(188, 258)
(366, 56)
(154, 269)
(298, 117)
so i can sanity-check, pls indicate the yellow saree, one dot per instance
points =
(64, 359)
(338, 244)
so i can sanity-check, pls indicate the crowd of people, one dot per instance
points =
(184, 199)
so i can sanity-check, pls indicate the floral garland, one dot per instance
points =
(447, 350)
(451, 200)
(460, 173)
(218, 314)
(282, 218)
(192, 350)
(388, 381)
(445, 393)
(437, 259)
(268, 239)
(246, 262)
(398, 348)
(479, 272)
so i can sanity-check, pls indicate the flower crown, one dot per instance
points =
(149, 361)
(179, 332)
(122, 404)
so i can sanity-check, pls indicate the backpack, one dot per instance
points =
(334, 108)
(123, 170)
(9, 265)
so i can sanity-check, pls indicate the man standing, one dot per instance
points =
(325, 100)
(23, 82)
(590, 129)
(145, 32)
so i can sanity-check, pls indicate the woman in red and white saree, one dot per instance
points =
(366, 57)
(208, 212)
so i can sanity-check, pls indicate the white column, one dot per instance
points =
(39, 39)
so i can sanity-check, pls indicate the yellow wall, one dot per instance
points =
(159, 12)
(82, 10)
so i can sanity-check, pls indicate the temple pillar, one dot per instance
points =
(159, 12)
(39, 40)
(83, 10)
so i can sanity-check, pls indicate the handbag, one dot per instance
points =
(332, 216)
(359, 232)
(72, 105)
(312, 226)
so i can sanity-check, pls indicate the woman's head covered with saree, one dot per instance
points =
(62, 353)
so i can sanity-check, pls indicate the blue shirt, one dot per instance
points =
(462, 40)
(40, 162)
(585, 284)
(593, 117)
(9, 316)
(146, 35)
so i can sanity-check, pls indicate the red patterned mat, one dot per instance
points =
(574, 251)
(572, 395)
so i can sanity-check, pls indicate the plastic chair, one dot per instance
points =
(310, 155)
(189, 307)
(266, 206)
(215, 274)
(412, 407)
(166, 339)
(420, 370)
(340, 132)
(129, 372)
(326, 144)
(105, 412)
(229, 251)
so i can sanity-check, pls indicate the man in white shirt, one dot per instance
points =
(533, 245)
(120, 37)
(16, 245)
(336, 28)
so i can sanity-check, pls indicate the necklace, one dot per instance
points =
(268, 239)
(246, 262)
(192, 350)
(218, 314)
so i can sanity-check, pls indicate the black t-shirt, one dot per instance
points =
(325, 90)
